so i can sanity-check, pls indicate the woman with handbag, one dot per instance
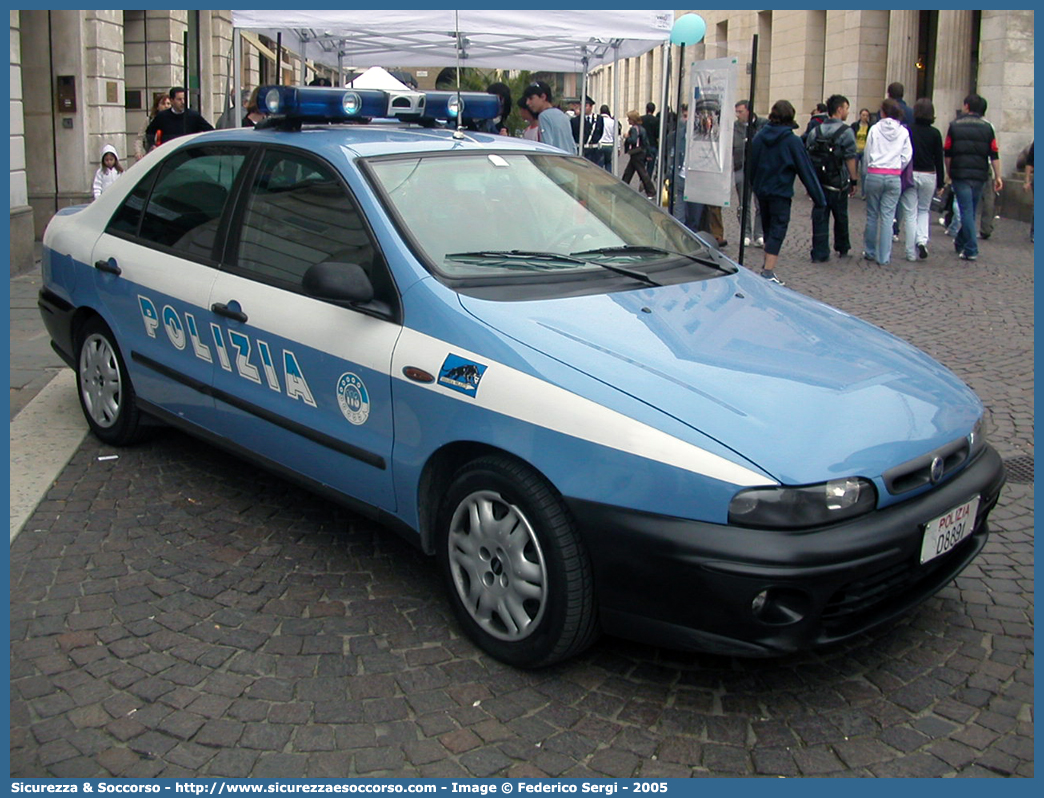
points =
(888, 151)
(928, 179)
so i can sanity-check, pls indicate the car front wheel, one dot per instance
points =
(104, 388)
(519, 578)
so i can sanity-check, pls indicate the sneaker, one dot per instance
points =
(820, 260)
(942, 221)
(771, 277)
(922, 251)
(966, 256)
(842, 254)
(723, 242)
(746, 241)
(895, 236)
(759, 241)
(867, 256)
(984, 236)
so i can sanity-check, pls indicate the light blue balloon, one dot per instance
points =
(688, 29)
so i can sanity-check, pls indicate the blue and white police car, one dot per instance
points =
(592, 418)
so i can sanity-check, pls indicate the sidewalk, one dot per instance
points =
(46, 423)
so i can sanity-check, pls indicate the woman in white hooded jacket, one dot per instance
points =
(109, 170)
(888, 150)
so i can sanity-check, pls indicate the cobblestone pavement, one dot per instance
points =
(175, 612)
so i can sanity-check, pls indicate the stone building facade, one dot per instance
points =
(806, 55)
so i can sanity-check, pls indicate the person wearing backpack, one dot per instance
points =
(831, 147)
(634, 145)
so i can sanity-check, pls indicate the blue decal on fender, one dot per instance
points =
(353, 399)
(461, 375)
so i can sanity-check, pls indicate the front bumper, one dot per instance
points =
(690, 585)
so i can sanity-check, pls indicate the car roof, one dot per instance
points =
(379, 139)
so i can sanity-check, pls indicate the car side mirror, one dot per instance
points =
(338, 282)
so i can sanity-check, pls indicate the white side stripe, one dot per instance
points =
(517, 395)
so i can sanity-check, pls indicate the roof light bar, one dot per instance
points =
(294, 105)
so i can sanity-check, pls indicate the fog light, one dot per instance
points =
(780, 606)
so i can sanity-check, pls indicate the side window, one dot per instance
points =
(189, 197)
(127, 218)
(297, 215)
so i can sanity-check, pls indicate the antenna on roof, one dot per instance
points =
(459, 133)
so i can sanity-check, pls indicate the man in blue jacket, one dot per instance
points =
(776, 157)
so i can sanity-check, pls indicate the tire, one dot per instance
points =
(104, 387)
(518, 576)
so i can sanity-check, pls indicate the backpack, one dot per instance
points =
(827, 159)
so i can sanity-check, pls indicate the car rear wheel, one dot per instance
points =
(518, 576)
(105, 390)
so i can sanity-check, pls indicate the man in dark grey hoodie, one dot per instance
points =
(776, 157)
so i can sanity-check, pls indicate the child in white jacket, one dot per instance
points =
(108, 172)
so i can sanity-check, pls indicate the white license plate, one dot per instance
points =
(948, 530)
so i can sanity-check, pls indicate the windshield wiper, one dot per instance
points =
(521, 254)
(515, 254)
(626, 249)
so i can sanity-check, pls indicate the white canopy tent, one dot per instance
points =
(554, 41)
(378, 78)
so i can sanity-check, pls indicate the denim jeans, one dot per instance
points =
(882, 197)
(753, 213)
(966, 194)
(916, 203)
(837, 204)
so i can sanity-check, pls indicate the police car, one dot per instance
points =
(593, 419)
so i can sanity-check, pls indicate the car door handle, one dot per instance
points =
(222, 309)
(108, 266)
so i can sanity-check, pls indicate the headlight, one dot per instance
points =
(977, 437)
(785, 507)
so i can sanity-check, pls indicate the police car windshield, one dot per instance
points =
(484, 215)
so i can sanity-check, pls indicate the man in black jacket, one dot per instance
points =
(970, 150)
(593, 125)
(176, 121)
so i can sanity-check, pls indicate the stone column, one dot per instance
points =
(902, 52)
(21, 212)
(952, 79)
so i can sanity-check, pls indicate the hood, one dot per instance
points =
(889, 129)
(802, 390)
(771, 134)
(108, 148)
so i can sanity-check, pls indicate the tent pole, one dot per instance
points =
(678, 124)
(616, 104)
(664, 99)
(279, 59)
(748, 137)
(583, 105)
(237, 68)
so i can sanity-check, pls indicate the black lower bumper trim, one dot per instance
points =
(692, 585)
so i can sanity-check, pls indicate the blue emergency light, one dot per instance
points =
(294, 105)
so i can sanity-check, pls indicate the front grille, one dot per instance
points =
(891, 583)
(917, 473)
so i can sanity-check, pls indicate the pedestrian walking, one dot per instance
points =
(745, 116)
(108, 172)
(144, 142)
(929, 179)
(607, 143)
(178, 120)
(888, 150)
(776, 157)
(634, 146)
(969, 151)
(832, 149)
(861, 128)
(554, 124)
